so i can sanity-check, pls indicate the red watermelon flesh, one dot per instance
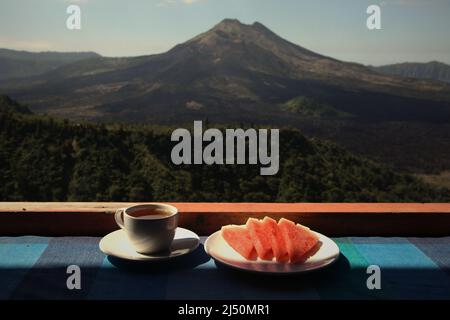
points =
(299, 239)
(276, 238)
(239, 239)
(261, 238)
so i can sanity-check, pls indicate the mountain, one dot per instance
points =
(9, 105)
(231, 73)
(46, 159)
(432, 70)
(16, 64)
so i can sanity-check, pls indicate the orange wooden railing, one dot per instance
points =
(343, 219)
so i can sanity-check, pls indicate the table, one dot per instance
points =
(36, 268)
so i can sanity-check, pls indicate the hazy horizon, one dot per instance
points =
(412, 31)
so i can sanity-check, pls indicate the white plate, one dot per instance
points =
(117, 244)
(221, 251)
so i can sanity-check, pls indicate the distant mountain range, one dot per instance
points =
(231, 73)
(432, 70)
(16, 64)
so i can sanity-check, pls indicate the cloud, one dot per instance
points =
(165, 3)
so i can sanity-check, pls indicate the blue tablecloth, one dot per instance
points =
(35, 268)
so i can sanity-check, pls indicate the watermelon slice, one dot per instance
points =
(239, 239)
(299, 239)
(261, 238)
(276, 238)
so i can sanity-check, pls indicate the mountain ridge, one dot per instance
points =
(433, 70)
(9, 105)
(20, 63)
(233, 72)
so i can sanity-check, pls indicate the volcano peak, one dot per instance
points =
(236, 25)
(228, 21)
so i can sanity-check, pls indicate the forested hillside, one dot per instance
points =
(43, 159)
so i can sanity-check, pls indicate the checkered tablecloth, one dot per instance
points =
(35, 268)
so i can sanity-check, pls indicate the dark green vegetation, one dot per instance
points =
(441, 180)
(43, 159)
(309, 107)
(413, 147)
(431, 70)
(16, 64)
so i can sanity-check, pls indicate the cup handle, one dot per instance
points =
(119, 217)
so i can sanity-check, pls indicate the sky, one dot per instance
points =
(412, 30)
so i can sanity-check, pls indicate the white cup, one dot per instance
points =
(149, 227)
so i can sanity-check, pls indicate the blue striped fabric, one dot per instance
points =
(35, 268)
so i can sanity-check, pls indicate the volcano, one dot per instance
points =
(234, 72)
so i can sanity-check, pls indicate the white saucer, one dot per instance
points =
(220, 250)
(117, 244)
